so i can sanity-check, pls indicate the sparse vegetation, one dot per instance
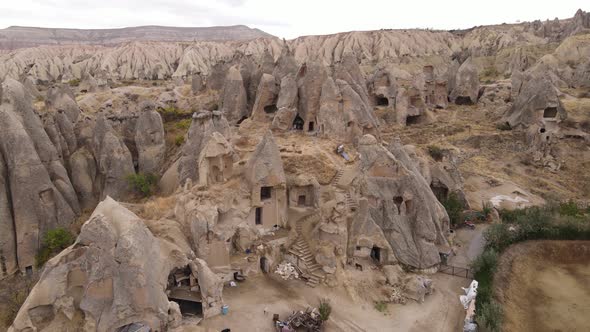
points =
(74, 82)
(454, 208)
(172, 113)
(183, 124)
(555, 222)
(325, 309)
(142, 183)
(381, 306)
(179, 140)
(12, 305)
(54, 241)
(435, 152)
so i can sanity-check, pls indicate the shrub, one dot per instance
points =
(179, 140)
(325, 309)
(172, 113)
(183, 124)
(486, 209)
(54, 241)
(490, 72)
(435, 152)
(142, 183)
(490, 315)
(74, 82)
(569, 208)
(504, 126)
(381, 306)
(454, 208)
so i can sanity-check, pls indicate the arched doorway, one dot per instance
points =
(298, 123)
(263, 264)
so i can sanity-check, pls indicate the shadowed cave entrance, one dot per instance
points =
(413, 120)
(298, 123)
(183, 288)
(381, 101)
(463, 100)
(550, 112)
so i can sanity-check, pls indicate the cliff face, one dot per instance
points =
(19, 37)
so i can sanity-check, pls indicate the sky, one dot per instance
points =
(287, 19)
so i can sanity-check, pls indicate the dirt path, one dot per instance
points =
(247, 302)
(469, 244)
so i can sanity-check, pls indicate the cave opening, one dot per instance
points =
(269, 109)
(183, 288)
(550, 112)
(412, 120)
(382, 101)
(463, 100)
(298, 123)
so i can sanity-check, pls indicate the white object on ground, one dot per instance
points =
(498, 199)
(287, 271)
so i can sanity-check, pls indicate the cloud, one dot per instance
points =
(281, 18)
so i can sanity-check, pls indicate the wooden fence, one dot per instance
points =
(456, 271)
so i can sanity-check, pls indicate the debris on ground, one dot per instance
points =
(397, 294)
(287, 271)
(309, 320)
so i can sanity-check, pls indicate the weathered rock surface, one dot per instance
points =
(416, 223)
(234, 103)
(203, 125)
(149, 139)
(36, 188)
(466, 85)
(115, 274)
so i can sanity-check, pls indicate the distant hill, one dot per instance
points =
(18, 37)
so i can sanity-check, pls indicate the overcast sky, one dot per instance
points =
(282, 18)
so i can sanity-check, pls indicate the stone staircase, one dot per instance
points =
(337, 177)
(351, 203)
(301, 250)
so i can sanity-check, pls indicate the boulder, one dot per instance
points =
(114, 163)
(234, 103)
(394, 274)
(465, 88)
(417, 287)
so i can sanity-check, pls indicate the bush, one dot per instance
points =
(569, 208)
(171, 113)
(454, 208)
(179, 140)
(142, 183)
(183, 124)
(325, 309)
(490, 315)
(486, 209)
(381, 306)
(490, 72)
(435, 152)
(54, 241)
(74, 82)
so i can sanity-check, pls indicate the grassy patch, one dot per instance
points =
(325, 309)
(435, 152)
(142, 183)
(54, 241)
(74, 82)
(381, 306)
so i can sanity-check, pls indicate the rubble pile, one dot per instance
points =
(287, 271)
(309, 320)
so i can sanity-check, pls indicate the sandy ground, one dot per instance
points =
(546, 286)
(440, 311)
(468, 245)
